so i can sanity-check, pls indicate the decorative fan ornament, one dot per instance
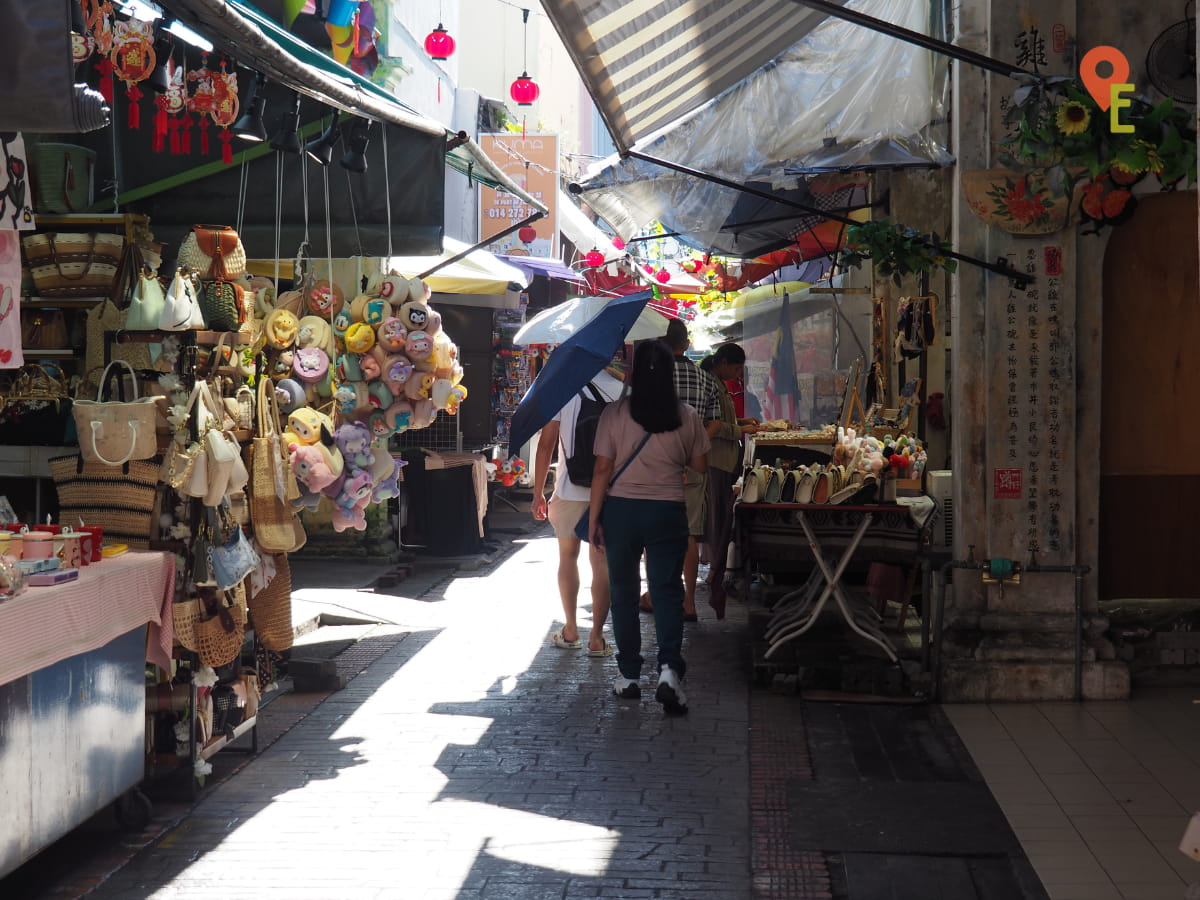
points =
(1171, 60)
(133, 60)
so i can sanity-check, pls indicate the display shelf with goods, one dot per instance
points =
(512, 371)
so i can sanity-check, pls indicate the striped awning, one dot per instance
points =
(647, 63)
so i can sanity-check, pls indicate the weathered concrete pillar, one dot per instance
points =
(1025, 405)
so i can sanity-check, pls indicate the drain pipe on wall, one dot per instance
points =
(1000, 568)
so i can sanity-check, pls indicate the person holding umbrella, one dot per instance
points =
(644, 443)
(564, 509)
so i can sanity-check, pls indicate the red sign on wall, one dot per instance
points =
(1006, 484)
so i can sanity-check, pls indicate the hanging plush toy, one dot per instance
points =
(391, 335)
(325, 299)
(353, 439)
(133, 60)
(385, 476)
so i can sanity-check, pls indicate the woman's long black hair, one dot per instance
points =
(653, 403)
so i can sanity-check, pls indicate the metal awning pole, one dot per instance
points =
(962, 54)
(495, 237)
(1000, 267)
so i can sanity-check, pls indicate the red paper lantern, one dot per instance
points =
(594, 258)
(524, 90)
(438, 44)
(618, 243)
(663, 276)
(527, 235)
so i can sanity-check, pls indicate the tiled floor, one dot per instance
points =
(1098, 793)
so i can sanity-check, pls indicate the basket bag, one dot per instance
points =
(219, 637)
(272, 481)
(223, 305)
(63, 177)
(115, 431)
(214, 251)
(121, 498)
(67, 264)
(271, 609)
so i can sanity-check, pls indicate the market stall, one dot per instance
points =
(72, 725)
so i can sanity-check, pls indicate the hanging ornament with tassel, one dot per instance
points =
(133, 60)
(199, 102)
(98, 16)
(225, 107)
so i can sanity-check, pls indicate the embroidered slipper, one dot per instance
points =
(604, 651)
(562, 643)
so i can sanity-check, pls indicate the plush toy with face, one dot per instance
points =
(347, 397)
(279, 329)
(310, 365)
(341, 322)
(325, 299)
(385, 477)
(396, 372)
(393, 289)
(413, 315)
(353, 439)
(290, 395)
(311, 466)
(379, 394)
(371, 310)
(391, 335)
(304, 426)
(360, 337)
(418, 347)
(370, 366)
(282, 366)
(419, 386)
(457, 395)
(315, 332)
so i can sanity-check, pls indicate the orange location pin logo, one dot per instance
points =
(1100, 86)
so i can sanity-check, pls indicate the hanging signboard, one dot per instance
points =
(530, 160)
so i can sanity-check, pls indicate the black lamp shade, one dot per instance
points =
(160, 78)
(320, 150)
(286, 140)
(249, 126)
(355, 158)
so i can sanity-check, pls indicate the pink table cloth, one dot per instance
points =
(47, 624)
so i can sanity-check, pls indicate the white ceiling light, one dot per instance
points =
(184, 33)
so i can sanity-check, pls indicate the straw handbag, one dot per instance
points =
(271, 609)
(66, 264)
(122, 498)
(219, 637)
(115, 431)
(272, 483)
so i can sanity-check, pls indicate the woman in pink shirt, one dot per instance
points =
(647, 439)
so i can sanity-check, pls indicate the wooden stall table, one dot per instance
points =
(73, 695)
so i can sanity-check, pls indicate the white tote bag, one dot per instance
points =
(181, 309)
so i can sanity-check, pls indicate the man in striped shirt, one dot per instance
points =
(698, 390)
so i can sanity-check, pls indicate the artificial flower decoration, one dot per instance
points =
(1072, 117)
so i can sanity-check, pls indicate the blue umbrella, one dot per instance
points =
(572, 365)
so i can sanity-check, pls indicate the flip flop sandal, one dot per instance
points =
(604, 651)
(562, 643)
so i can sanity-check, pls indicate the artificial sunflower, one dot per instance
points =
(1072, 117)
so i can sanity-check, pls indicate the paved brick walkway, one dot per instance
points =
(474, 760)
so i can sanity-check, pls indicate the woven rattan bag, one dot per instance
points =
(272, 482)
(271, 609)
(219, 638)
(122, 498)
(65, 264)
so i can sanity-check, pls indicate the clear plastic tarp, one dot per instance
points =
(843, 98)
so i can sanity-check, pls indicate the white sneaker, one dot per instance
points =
(669, 692)
(626, 688)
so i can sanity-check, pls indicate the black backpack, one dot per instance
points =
(582, 460)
